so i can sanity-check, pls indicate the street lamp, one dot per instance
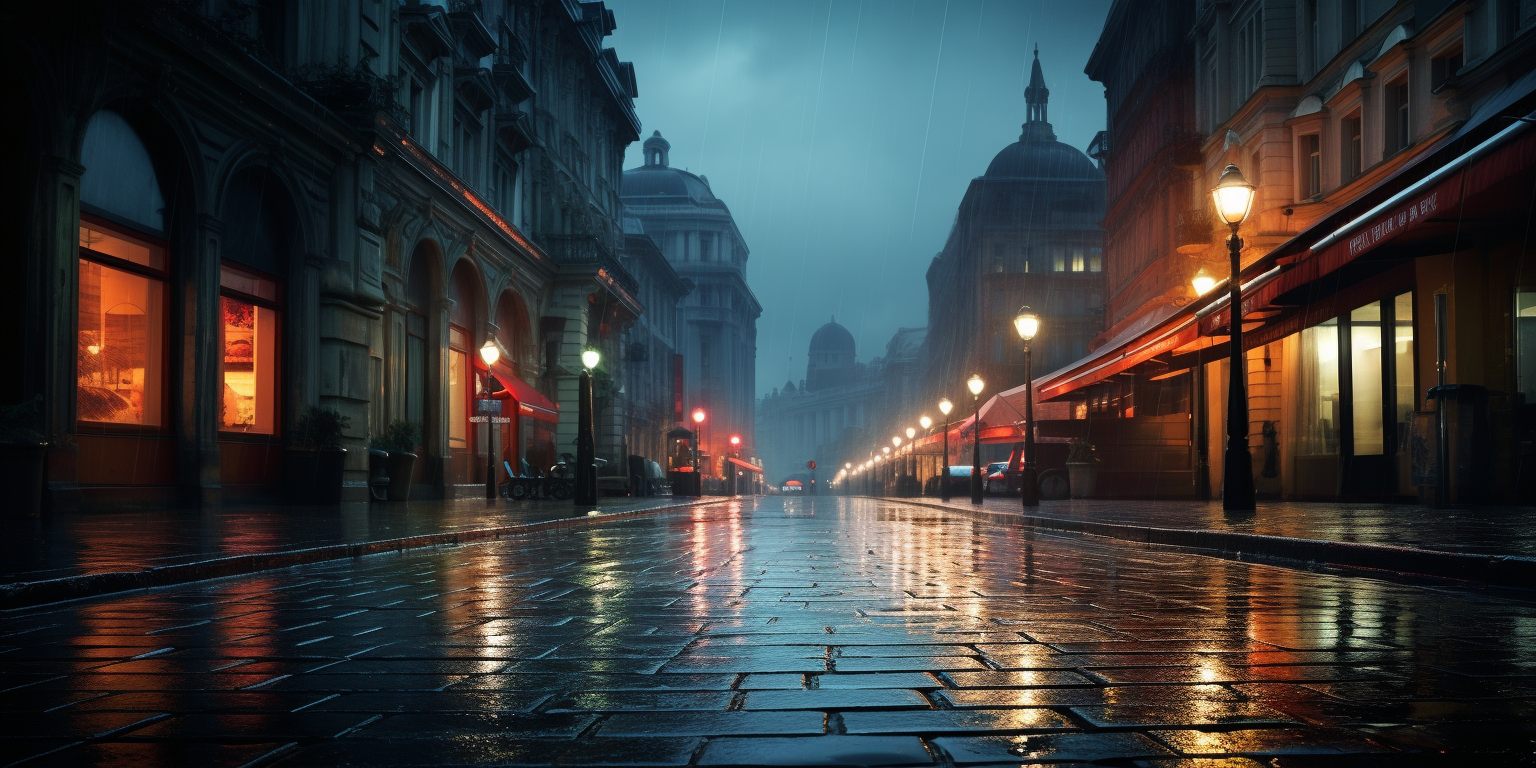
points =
(490, 353)
(586, 439)
(1027, 323)
(1233, 196)
(1203, 282)
(945, 406)
(976, 385)
(912, 460)
(698, 426)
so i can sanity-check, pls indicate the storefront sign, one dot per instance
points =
(490, 420)
(1393, 223)
(488, 407)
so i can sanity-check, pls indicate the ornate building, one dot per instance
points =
(652, 361)
(699, 237)
(841, 407)
(238, 210)
(1027, 232)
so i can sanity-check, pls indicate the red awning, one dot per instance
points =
(1448, 177)
(530, 402)
(745, 465)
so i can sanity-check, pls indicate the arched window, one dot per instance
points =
(260, 238)
(121, 335)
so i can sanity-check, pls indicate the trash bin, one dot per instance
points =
(1463, 423)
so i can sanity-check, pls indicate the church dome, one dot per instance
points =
(1036, 158)
(1037, 154)
(832, 338)
(656, 180)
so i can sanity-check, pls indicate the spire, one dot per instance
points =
(1036, 95)
(1037, 127)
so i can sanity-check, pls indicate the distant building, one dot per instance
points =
(842, 407)
(652, 360)
(1027, 232)
(696, 232)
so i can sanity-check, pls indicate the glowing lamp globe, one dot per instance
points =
(1027, 323)
(698, 415)
(1203, 283)
(911, 433)
(590, 358)
(490, 353)
(925, 422)
(1233, 195)
(975, 385)
(945, 406)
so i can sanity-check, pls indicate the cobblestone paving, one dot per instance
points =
(776, 632)
(1479, 530)
(69, 544)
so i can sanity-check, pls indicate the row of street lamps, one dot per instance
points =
(1233, 197)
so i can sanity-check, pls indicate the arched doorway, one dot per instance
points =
(529, 434)
(261, 238)
(414, 333)
(122, 335)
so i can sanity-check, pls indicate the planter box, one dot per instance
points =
(1083, 478)
(21, 475)
(401, 466)
(313, 477)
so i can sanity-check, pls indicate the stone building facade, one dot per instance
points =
(1027, 232)
(652, 356)
(696, 232)
(1372, 131)
(241, 210)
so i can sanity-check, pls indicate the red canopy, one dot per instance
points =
(530, 402)
(750, 467)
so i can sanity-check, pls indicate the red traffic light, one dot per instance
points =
(810, 464)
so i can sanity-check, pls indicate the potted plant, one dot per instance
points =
(312, 465)
(22, 448)
(1082, 469)
(399, 441)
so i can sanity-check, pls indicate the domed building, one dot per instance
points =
(718, 335)
(826, 416)
(1027, 233)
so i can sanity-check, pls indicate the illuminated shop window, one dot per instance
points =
(249, 339)
(120, 346)
(458, 388)
(1078, 263)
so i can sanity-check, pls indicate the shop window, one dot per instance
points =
(1365, 372)
(120, 346)
(1402, 362)
(1317, 431)
(249, 338)
(1525, 345)
(458, 388)
(1058, 259)
(1095, 259)
(1350, 147)
(1078, 262)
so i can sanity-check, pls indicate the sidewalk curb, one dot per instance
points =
(1499, 570)
(30, 594)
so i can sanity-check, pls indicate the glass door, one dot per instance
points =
(1376, 352)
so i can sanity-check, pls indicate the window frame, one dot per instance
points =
(83, 253)
(277, 305)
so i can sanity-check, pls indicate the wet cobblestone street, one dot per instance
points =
(776, 632)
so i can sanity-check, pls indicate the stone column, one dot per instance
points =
(55, 319)
(199, 390)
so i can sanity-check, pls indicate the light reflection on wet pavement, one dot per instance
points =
(800, 631)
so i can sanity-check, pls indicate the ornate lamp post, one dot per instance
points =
(1233, 196)
(912, 457)
(490, 353)
(848, 473)
(945, 406)
(927, 425)
(735, 453)
(586, 440)
(1027, 323)
(698, 427)
(976, 385)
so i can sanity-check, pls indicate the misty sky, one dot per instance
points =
(843, 133)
